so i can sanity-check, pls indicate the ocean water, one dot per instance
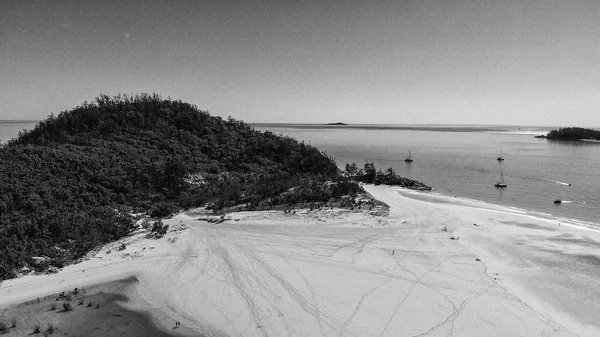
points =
(461, 161)
(11, 129)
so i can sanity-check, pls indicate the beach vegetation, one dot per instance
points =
(371, 175)
(162, 209)
(51, 328)
(159, 229)
(36, 328)
(67, 306)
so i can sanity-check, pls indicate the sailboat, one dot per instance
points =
(409, 159)
(500, 158)
(501, 183)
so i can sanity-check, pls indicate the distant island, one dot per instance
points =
(572, 134)
(337, 123)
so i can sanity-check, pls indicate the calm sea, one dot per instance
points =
(461, 161)
(11, 129)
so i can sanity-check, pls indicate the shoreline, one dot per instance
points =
(536, 232)
(340, 272)
(476, 203)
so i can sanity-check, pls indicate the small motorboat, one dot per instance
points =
(557, 201)
(500, 158)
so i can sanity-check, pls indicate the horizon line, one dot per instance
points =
(23, 121)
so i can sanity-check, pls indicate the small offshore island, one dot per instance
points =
(571, 134)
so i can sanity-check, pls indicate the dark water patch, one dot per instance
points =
(565, 235)
(589, 259)
(527, 225)
(584, 242)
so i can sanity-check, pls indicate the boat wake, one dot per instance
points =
(542, 180)
(572, 202)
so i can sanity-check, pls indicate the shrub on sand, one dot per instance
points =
(67, 306)
(50, 329)
(159, 229)
(36, 328)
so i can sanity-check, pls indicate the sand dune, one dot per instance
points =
(340, 273)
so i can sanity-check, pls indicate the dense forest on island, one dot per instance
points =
(573, 134)
(76, 180)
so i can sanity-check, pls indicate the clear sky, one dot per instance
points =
(430, 62)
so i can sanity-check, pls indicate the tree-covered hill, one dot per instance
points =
(573, 134)
(73, 181)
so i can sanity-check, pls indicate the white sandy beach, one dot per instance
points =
(337, 273)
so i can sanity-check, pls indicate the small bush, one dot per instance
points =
(51, 328)
(145, 224)
(159, 229)
(97, 306)
(3, 328)
(53, 306)
(162, 209)
(80, 302)
(13, 323)
(89, 304)
(67, 307)
(36, 328)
